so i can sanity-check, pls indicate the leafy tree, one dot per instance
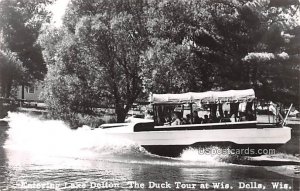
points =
(99, 56)
(274, 61)
(20, 22)
(11, 72)
(182, 30)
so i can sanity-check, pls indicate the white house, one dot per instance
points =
(30, 93)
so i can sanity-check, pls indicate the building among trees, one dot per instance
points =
(30, 93)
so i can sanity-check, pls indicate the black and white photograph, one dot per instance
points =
(160, 95)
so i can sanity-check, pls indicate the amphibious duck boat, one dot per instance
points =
(231, 124)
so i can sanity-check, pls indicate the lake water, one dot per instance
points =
(38, 154)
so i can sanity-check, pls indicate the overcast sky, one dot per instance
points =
(58, 10)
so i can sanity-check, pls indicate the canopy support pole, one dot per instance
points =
(191, 110)
(287, 114)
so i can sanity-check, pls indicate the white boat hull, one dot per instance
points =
(164, 139)
(237, 136)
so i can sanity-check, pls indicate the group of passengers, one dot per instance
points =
(195, 119)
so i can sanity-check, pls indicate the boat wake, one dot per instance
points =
(38, 141)
(54, 137)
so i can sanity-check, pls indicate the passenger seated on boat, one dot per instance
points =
(196, 118)
(148, 115)
(233, 118)
(226, 114)
(168, 121)
(214, 119)
(226, 117)
(187, 120)
(250, 116)
(176, 119)
(206, 119)
(243, 116)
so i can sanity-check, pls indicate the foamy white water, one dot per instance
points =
(44, 140)
(55, 137)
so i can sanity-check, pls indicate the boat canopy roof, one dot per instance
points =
(205, 97)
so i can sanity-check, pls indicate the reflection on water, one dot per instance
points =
(47, 151)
